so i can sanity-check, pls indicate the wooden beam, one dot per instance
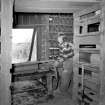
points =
(76, 0)
(51, 6)
(32, 45)
(102, 66)
(6, 33)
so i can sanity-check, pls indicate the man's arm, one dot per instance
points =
(69, 55)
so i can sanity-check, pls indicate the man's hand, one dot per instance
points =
(56, 64)
(61, 60)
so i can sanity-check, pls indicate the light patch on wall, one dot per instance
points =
(21, 42)
(21, 35)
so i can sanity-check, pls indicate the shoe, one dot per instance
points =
(50, 97)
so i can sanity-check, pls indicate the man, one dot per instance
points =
(65, 57)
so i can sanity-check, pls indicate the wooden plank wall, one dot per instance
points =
(6, 26)
(100, 39)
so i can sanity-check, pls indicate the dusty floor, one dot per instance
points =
(59, 99)
(33, 97)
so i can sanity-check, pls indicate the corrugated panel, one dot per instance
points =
(23, 19)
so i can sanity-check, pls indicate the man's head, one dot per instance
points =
(61, 37)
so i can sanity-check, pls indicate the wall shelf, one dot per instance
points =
(93, 51)
(89, 34)
(89, 64)
(90, 18)
(90, 79)
(91, 95)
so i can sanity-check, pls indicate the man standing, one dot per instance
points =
(65, 57)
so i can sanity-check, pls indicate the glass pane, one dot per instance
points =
(21, 42)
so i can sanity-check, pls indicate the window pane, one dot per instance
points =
(21, 42)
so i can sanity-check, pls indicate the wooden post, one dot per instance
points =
(75, 60)
(102, 74)
(6, 32)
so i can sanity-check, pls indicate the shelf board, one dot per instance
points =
(90, 50)
(94, 97)
(92, 67)
(87, 64)
(89, 89)
(91, 85)
(85, 100)
(89, 18)
(89, 79)
(89, 34)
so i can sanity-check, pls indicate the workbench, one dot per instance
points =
(26, 77)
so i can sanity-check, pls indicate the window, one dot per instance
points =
(21, 43)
